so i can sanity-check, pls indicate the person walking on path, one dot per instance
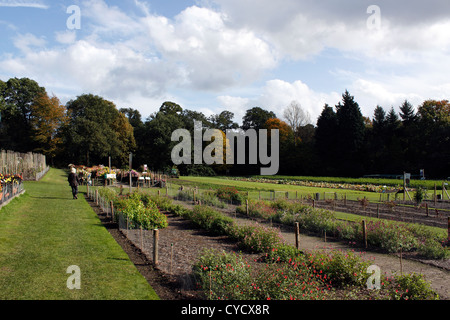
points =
(74, 182)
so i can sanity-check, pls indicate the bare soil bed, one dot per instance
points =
(181, 244)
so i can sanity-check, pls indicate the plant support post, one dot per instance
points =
(155, 246)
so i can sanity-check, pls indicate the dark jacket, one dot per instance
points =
(73, 179)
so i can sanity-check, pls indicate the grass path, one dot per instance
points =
(44, 231)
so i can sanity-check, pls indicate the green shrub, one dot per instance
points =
(230, 194)
(223, 276)
(226, 276)
(283, 253)
(342, 268)
(412, 287)
(433, 249)
(420, 195)
(290, 281)
(151, 218)
(108, 194)
(256, 238)
(141, 211)
(258, 209)
(211, 220)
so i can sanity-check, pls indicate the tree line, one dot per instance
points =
(89, 129)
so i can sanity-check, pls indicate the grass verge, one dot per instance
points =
(44, 232)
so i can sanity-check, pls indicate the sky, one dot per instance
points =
(216, 55)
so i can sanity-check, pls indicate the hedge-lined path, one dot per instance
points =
(44, 231)
(439, 277)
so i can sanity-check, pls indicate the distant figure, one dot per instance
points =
(74, 182)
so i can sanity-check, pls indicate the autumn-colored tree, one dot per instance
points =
(48, 116)
(223, 168)
(125, 141)
(286, 132)
(435, 112)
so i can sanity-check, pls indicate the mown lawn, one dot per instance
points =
(44, 232)
(253, 186)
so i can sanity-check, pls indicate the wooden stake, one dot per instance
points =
(155, 246)
(112, 210)
(435, 194)
(444, 189)
(142, 240)
(448, 229)
(171, 257)
(246, 204)
(297, 235)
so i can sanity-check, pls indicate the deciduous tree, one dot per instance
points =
(49, 116)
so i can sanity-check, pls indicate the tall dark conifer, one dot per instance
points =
(351, 131)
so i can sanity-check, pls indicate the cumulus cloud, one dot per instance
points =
(276, 95)
(212, 55)
(23, 4)
(121, 54)
(230, 50)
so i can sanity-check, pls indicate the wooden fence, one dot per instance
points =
(29, 165)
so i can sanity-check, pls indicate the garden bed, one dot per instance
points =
(189, 242)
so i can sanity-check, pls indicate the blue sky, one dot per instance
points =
(215, 55)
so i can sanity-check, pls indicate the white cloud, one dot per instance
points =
(237, 105)
(66, 37)
(23, 4)
(212, 55)
(228, 48)
(277, 94)
(26, 43)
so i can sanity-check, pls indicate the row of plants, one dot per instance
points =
(207, 198)
(137, 209)
(283, 272)
(289, 274)
(361, 183)
(391, 236)
(323, 184)
(9, 180)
